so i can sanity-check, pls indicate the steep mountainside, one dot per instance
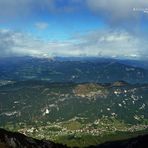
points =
(17, 140)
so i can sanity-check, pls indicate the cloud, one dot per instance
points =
(14, 9)
(16, 43)
(23, 9)
(114, 12)
(13, 43)
(41, 25)
(144, 10)
(118, 11)
(106, 43)
(110, 43)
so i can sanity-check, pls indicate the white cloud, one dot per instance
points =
(23, 9)
(117, 10)
(98, 43)
(111, 9)
(42, 25)
(12, 9)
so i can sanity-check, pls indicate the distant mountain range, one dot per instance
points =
(76, 70)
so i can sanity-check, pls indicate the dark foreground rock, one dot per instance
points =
(17, 140)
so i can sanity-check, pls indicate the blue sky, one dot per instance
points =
(56, 25)
(106, 28)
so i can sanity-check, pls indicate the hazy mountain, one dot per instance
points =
(76, 70)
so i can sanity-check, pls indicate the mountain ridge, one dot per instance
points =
(54, 70)
(18, 140)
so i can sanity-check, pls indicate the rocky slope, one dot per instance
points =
(17, 140)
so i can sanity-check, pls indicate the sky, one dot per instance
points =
(100, 28)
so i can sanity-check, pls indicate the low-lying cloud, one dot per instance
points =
(106, 43)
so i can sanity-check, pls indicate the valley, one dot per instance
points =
(75, 114)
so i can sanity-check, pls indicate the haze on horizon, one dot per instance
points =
(47, 28)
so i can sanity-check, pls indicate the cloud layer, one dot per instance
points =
(22, 9)
(118, 8)
(106, 43)
(118, 11)
(111, 10)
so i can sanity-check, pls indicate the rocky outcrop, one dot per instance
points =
(17, 140)
(90, 90)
